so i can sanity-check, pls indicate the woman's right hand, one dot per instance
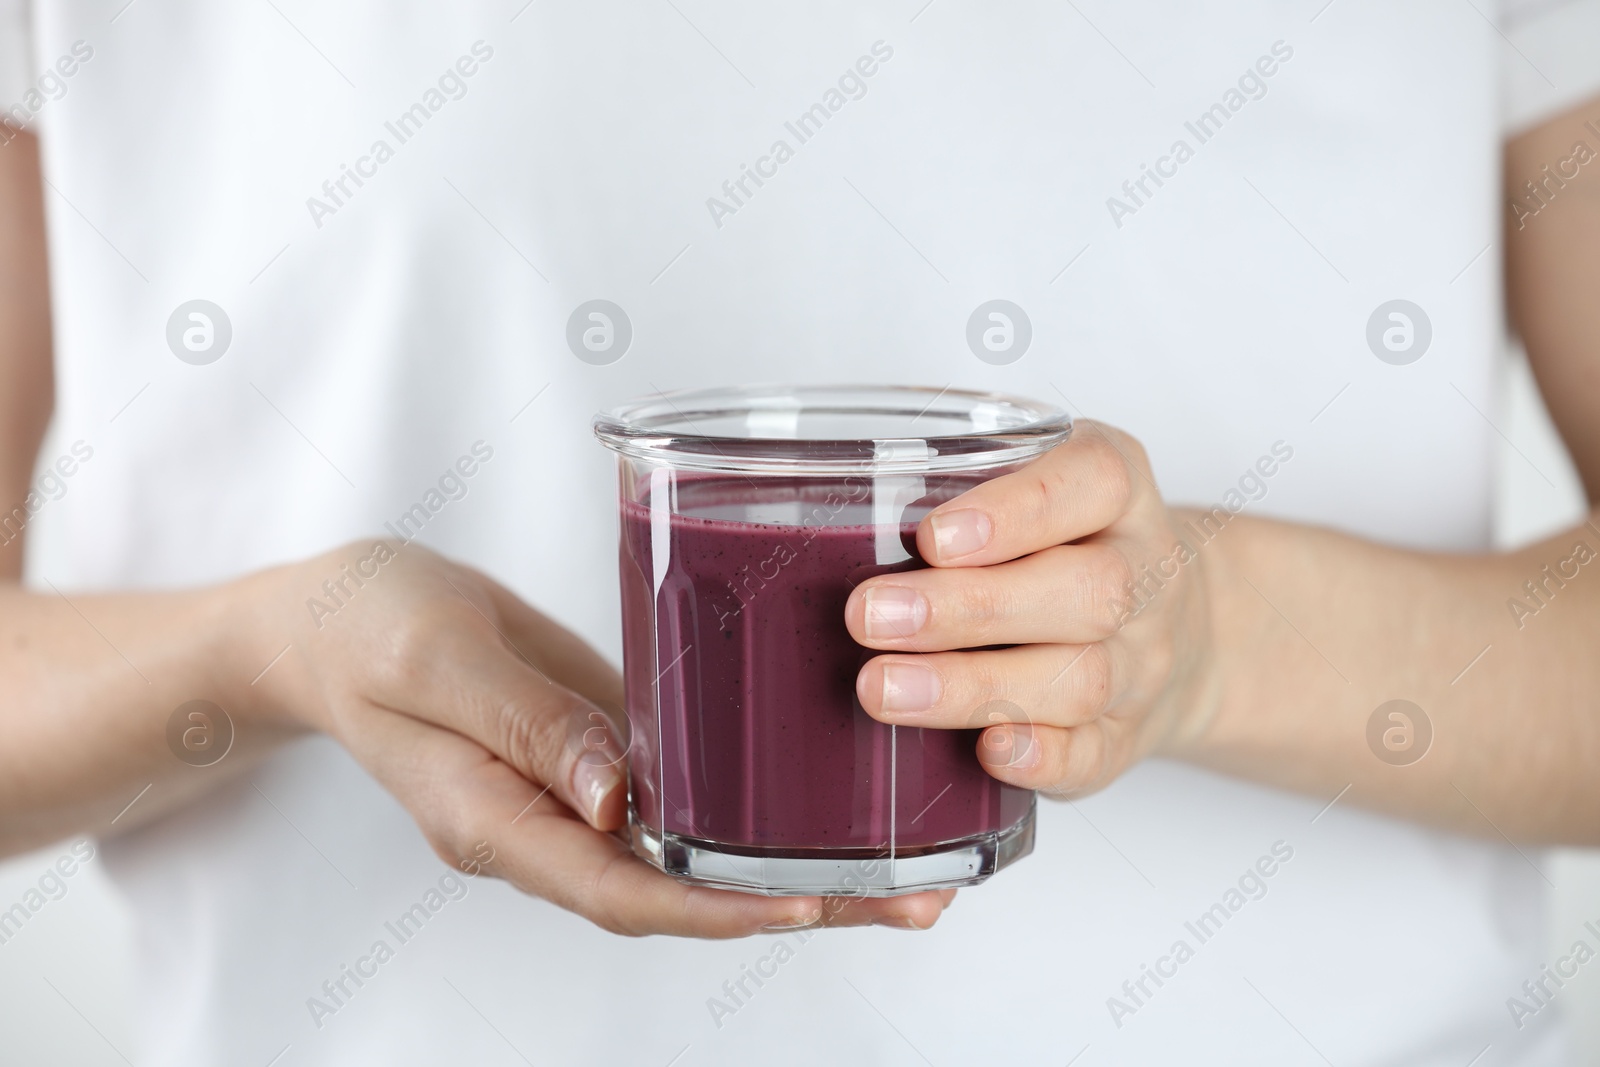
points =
(486, 720)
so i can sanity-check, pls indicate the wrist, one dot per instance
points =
(1201, 667)
(251, 640)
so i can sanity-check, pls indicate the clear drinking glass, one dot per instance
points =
(747, 516)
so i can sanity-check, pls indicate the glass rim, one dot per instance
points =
(662, 428)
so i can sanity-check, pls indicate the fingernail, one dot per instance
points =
(893, 611)
(909, 687)
(1012, 747)
(796, 923)
(592, 783)
(959, 533)
(896, 922)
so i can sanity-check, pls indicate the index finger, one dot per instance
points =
(1078, 488)
(470, 803)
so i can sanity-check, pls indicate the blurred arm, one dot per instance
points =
(1552, 271)
(82, 727)
(28, 391)
(1516, 737)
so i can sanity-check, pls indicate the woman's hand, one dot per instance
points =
(488, 722)
(1075, 563)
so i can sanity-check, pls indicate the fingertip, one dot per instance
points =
(803, 913)
(855, 612)
(724, 914)
(1010, 751)
(869, 686)
(599, 793)
(927, 546)
(611, 811)
(949, 535)
(919, 911)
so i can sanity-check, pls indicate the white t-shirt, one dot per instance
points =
(538, 156)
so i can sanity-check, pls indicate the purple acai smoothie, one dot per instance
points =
(741, 675)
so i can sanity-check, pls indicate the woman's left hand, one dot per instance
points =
(1076, 563)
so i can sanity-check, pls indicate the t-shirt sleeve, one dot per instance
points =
(1550, 58)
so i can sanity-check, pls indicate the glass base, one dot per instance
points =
(852, 872)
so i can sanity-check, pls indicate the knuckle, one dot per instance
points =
(1055, 493)
(1055, 486)
(448, 829)
(406, 654)
(982, 602)
(1132, 449)
(527, 733)
(1116, 477)
(1159, 659)
(1057, 771)
(985, 680)
(1110, 467)
(1090, 676)
(1097, 768)
(612, 925)
(1106, 582)
(1036, 503)
(1085, 762)
(443, 849)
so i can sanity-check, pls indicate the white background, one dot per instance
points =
(82, 943)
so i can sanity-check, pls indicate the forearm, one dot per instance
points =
(91, 683)
(1314, 630)
(27, 392)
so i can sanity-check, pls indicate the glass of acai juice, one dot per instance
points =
(747, 517)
